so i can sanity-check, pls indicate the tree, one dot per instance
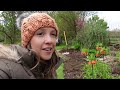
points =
(94, 31)
(66, 22)
(70, 21)
(10, 32)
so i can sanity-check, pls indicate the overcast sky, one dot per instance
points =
(111, 17)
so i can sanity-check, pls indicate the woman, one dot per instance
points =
(36, 58)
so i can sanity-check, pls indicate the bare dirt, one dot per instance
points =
(73, 65)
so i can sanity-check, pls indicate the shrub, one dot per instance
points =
(95, 30)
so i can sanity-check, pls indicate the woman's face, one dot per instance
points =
(44, 42)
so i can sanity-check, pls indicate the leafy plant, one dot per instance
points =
(101, 71)
(60, 72)
(96, 68)
(95, 30)
(75, 45)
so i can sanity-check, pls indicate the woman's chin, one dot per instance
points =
(46, 58)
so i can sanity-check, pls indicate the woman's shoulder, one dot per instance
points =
(20, 50)
(7, 53)
(8, 57)
(10, 61)
(12, 52)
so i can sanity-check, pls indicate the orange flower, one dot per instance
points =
(98, 48)
(94, 62)
(84, 53)
(89, 63)
(103, 52)
(97, 55)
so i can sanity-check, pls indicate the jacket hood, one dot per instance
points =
(18, 54)
(8, 53)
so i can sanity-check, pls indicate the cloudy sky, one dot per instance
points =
(111, 17)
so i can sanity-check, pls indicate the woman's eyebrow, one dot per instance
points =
(37, 32)
(53, 30)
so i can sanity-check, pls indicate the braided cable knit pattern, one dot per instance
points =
(34, 22)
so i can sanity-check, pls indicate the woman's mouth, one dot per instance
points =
(48, 49)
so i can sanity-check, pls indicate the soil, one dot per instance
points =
(73, 66)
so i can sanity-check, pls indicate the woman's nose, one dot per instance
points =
(48, 39)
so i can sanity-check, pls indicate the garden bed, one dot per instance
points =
(73, 66)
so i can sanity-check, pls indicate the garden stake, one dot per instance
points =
(65, 40)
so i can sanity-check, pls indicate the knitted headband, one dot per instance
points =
(34, 22)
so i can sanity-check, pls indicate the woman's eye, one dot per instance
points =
(54, 35)
(40, 34)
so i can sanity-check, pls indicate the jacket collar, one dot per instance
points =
(28, 59)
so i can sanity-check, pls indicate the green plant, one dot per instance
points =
(101, 71)
(118, 54)
(84, 51)
(60, 72)
(95, 30)
(95, 68)
(61, 47)
(75, 45)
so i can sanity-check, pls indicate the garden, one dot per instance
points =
(91, 65)
(88, 48)
(93, 53)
